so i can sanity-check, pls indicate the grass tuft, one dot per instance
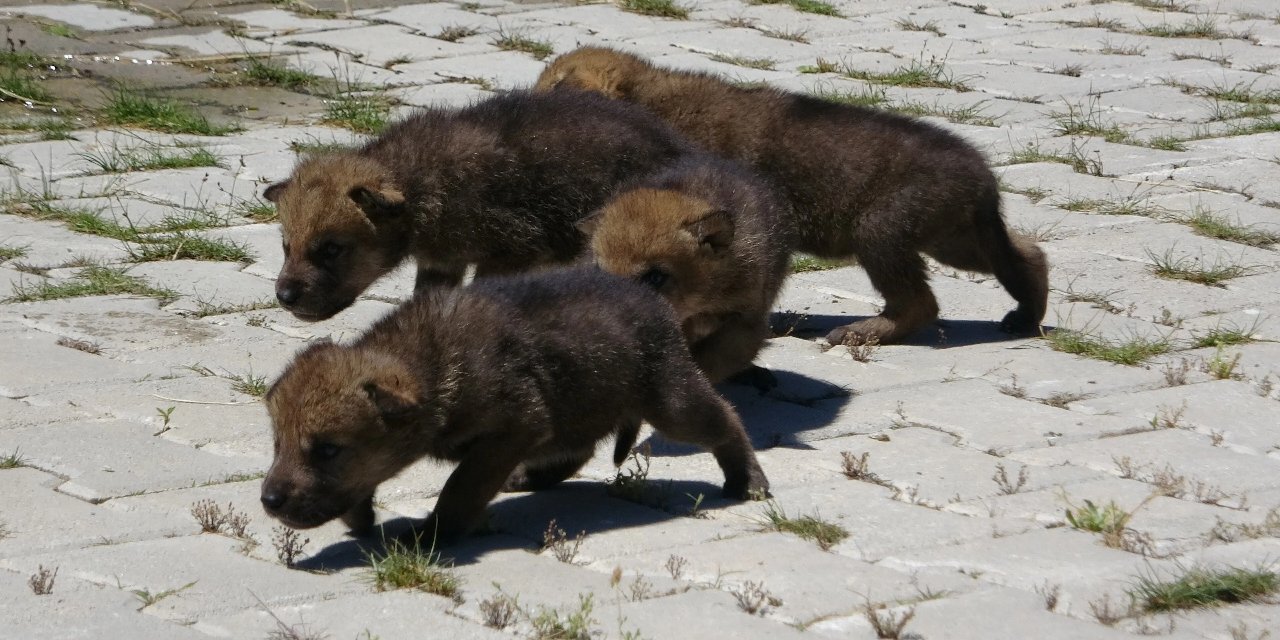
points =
(91, 281)
(1205, 222)
(659, 8)
(1194, 269)
(918, 73)
(138, 109)
(1132, 351)
(1199, 587)
(826, 534)
(404, 567)
(518, 40)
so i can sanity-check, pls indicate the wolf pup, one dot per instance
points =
(865, 183)
(516, 378)
(711, 237)
(499, 184)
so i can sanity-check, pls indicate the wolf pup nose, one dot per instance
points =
(422, 383)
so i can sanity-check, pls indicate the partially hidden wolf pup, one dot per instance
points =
(712, 238)
(861, 182)
(499, 184)
(516, 378)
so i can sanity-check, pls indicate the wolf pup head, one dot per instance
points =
(344, 224)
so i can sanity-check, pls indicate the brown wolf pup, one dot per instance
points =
(516, 378)
(709, 236)
(861, 182)
(499, 184)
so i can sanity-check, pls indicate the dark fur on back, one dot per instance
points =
(517, 378)
(499, 184)
(862, 182)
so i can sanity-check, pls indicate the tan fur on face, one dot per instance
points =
(592, 69)
(338, 397)
(645, 228)
(315, 207)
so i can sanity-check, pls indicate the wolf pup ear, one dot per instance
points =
(390, 400)
(273, 192)
(376, 202)
(713, 231)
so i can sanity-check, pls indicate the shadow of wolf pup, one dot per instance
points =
(499, 184)
(516, 378)
(712, 238)
(861, 182)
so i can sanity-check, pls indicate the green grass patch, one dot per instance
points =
(1221, 336)
(134, 108)
(21, 83)
(1086, 120)
(1203, 26)
(1109, 518)
(867, 96)
(1200, 587)
(359, 112)
(1131, 351)
(11, 253)
(1164, 143)
(1193, 269)
(518, 40)
(188, 246)
(257, 210)
(404, 567)
(659, 8)
(805, 6)
(917, 73)
(1212, 225)
(763, 64)
(12, 460)
(152, 157)
(825, 534)
(47, 128)
(59, 30)
(91, 281)
(269, 72)
(972, 114)
(821, 65)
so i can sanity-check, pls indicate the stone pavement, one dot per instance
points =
(1135, 139)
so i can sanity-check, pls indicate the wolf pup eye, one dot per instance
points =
(655, 277)
(330, 250)
(325, 450)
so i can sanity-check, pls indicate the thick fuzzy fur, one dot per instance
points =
(874, 185)
(499, 184)
(516, 378)
(712, 238)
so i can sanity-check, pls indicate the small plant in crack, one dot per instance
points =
(148, 597)
(1051, 593)
(288, 545)
(1009, 487)
(564, 548)
(1222, 367)
(12, 460)
(1168, 418)
(753, 598)
(859, 467)
(811, 527)
(1198, 587)
(676, 565)
(499, 610)
(631, 482)
(890, 624)
(456, 32)
(550, 624)
(518, 40)
(1196, 269)
(41, 582)
(403, 567)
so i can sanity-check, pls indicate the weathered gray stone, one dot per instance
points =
(113, 459)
